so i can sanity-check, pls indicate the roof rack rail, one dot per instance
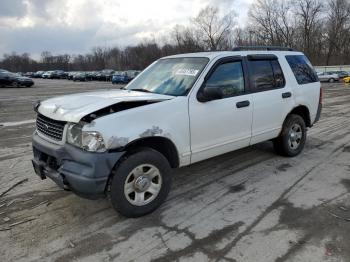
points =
(262, 48)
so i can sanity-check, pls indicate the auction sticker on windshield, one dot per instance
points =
(187, 72)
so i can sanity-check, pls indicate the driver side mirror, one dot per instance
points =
(209, 93)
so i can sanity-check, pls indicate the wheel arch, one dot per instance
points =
(302, 111)
(161, 144)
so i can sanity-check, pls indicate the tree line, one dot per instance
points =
(319, 28)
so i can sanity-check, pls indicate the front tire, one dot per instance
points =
(140, 183)
(331, 80)
(292, 139)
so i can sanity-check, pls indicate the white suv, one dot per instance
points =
(180, 110)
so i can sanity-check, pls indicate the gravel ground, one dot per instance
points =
(248, 205)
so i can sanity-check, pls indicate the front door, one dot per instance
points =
(223, 124)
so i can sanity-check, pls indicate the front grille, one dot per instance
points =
(49, 127)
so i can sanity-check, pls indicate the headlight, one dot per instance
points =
(88, 140)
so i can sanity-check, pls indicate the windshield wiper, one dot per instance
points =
(141, 90)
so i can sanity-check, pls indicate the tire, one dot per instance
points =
(131, 181)
(292, 139)
(331, 80)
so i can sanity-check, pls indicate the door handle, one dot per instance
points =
(242, 104)
(286, 94)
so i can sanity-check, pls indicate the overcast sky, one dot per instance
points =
(75, 26)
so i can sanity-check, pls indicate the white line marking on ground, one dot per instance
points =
(18, 123)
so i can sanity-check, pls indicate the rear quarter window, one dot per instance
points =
(302, 69)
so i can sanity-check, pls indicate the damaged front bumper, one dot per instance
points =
(85, 173)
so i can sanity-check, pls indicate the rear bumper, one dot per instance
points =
(85, 173)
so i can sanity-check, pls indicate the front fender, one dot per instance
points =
(168, 119)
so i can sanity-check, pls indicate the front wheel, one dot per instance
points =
(140, 183)
(331, 80)
(292, 139)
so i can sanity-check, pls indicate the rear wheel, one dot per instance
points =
(292, 138)
(140, 183)
(331, 80)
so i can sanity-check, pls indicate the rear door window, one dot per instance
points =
(302, 69)
(266, 75)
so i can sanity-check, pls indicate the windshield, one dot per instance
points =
(171, 76)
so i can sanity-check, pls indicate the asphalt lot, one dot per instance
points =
(249, 205)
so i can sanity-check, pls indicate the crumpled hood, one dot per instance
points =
(72, 108)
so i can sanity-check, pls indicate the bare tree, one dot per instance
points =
(338, 27)
(309, 27)
(216, 31)
(186, 39)
(18, 63)
(272, 22)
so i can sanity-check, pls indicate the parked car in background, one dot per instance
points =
(341, 74)
(48, 75)
(38, 74)
(14, 80)
(120, 78)
(125, 77)
(79, 76)
(105, 75)
(91, 75)
(346, 79)
(132, 74)
(98, 76)
(59, 74)
(28, 74)
(71, 75)
(328, 77)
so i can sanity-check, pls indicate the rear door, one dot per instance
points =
(272, 96)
